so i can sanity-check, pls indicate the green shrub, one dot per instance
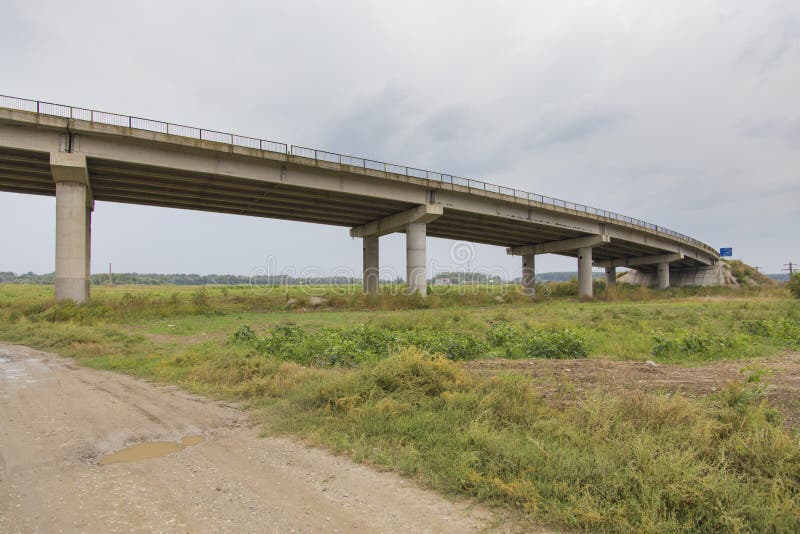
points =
(243, 334)
(501, 334)
(690, 344)
(757, 327)
(794, 285)
(558, 344)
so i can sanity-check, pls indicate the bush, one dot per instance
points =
(757, 327)
(563, 344)
(243, 334)
(689, 344)
(794, 285)
(330, 347)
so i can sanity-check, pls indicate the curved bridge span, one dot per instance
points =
(80, 155)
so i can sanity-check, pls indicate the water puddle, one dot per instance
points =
(151, 449)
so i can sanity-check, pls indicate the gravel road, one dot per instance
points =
(58, 420)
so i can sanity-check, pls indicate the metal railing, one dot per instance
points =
(115, 119)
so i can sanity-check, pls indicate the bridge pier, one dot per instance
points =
(529, 275)
(416, 258)
(371, 265)
(611, 277)
(415, 223)
(73, 226)
(585, 281)
(663, 275)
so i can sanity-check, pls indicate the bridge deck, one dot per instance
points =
(142, 166)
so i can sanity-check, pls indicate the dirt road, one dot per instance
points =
(57, 421)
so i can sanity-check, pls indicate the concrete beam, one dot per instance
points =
(646, 260)
(396, 222)
(554, 247)
(71, 167)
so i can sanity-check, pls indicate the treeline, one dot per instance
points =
(154, 279)
(467, 278)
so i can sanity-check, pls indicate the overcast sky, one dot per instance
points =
(683, 113)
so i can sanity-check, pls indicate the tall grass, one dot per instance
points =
(611, 463)
(361, 383)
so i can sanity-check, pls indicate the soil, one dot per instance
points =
(58, 421)
(562, 380)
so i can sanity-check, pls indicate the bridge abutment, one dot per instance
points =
(73, 226)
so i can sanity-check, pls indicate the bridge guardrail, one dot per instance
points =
(115, 119)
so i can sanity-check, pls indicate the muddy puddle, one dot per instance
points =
(151, 449)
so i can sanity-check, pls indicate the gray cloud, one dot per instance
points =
(684, 115)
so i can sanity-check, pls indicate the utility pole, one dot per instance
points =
(110, 278)
(791, 267)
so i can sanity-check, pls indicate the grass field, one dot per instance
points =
(384, 382)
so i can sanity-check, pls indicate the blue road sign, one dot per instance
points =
(726, 252)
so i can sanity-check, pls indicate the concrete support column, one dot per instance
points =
(73, 226)
(663, 275)
(529, 275)
(611, 277)
(88, 262)
(585, 287)
(371, 265)
(416, 272)
(73, 234)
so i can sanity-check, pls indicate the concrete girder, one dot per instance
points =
(396, 222)
(554, 247)
(30, 132)
(646, 260)
(641, 238)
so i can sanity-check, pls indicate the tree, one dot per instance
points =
(794, 285)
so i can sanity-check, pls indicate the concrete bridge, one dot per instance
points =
(80, 155)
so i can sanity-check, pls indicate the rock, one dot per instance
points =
(651, 363)
(316, 302)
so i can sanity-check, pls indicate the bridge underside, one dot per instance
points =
(80, 161)
(29, 172)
